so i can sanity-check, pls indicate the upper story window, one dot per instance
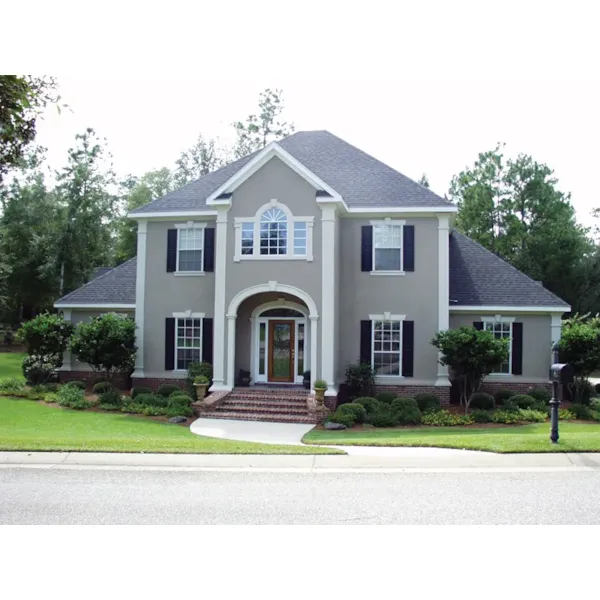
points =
(387, 247)
(273, 233)
(190, 249)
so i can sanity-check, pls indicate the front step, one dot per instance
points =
(271, 418)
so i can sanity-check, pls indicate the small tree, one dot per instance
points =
(360, 379)
(471, 355)
(579, 346)
(106, 343)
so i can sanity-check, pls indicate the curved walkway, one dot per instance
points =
(292, 433)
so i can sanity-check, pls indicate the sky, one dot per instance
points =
(423, 86)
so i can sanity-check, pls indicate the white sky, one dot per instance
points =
(422, 86)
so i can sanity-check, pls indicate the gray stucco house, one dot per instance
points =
(309, 255)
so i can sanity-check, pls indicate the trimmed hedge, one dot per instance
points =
(482, 401)
(357, 412)
(166, 389)
(524, 401)
(409, 415)
(135, 392)
(101, 387)
(76, 384)
(151, 400)
(482, 416)
(444, 418)
(110, 397)
(386, 397)
(501, 396)
(179, 411)
(370, 404)
(428, 402)
(384, 417)
(540, 396)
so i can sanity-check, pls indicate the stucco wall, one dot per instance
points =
(537, 344)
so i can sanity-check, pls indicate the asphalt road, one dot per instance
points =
(85, 496)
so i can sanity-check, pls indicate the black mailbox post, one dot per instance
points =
(560, 373)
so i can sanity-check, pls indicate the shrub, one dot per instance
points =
(565, 414)
(151, 400)
(11, 385)
(179, 411)
(530, 415)
(135, 408)
(523, 401)
(50, 398)
(505, 416)
(110, 397)
(179, 399)
(76, 383)
(38, 369)
(540, 395)
(428, 402)
(343, 417)
(409, 415)
(109, 407)
(101, 387)
(482, 401)
(403, 403)
(71, 396)
(203, 369)
(444, 418)
(46, 335)
(595, 403)
(482, 416)
(582, 391)
(582, 412)
(201, 380)
(501, 396)
(386, 397)
(320, 384)
(356, 411)
(360, 379)
(167, 389)
(49, 387)
(135, 392)
(384, 416)
(370, 404)
(154, 411)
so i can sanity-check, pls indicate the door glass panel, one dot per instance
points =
(282, 350)
(262, 348)
(300, 349)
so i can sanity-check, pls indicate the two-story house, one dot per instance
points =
(306, 256)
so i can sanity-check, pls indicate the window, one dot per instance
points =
(387, 247)
(273, 232)
(501, 329)
(300, 238)
(247, 238)
(188, 342)
(190, 249)
(387, 344)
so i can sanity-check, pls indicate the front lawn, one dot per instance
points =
(574, 437)
(10, 364)
(29, 425)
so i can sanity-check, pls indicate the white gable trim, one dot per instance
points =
(95, 306)
(264, 156)
(511, 309)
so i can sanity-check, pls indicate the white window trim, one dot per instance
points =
(386, 316)
(291, 221)
(186, 226)
(188, 314)
(510, 321)
(393, 222)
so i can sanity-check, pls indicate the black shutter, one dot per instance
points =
(171, 250)
(409, 247)
(478, 325)
(366, 250)
(365, 342)
(207, 340)
(408, 348)
(209, 249)
(169, 344)
(517, 349)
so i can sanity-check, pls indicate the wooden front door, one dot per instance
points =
(281, 351)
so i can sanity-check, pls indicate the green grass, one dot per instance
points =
(10, 364)
(574, 437)
(28, 425)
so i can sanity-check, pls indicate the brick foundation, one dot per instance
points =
(154, 383)
(410, 391)
(120, 381)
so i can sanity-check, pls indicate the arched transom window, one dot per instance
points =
(274, 232)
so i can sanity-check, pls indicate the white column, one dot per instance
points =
(555, 331)
(220, 309)
(66, 365)
(328, 223)
(443, 289)
(314, 337)
(140, 291)
(254, 334)
(231, 321)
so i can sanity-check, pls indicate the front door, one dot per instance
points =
(281, 351)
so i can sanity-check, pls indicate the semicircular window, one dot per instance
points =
(273, 232)
(281, 312)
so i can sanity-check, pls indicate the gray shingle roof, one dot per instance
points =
(363, 181)
(479, 277)
(117, 286)
(100, 271)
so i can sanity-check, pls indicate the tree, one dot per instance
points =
(579, 346)
(471, 355)
(259, 130)
(199, 160)
(87, 212)
(22, 99)
(424, 181)
(106, 343)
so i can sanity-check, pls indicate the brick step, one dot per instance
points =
(260, 400)
(253, 416)
(268, 391)
(265, 408)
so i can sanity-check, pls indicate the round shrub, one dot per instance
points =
(540, 396)
(110, 397)
(179, 411)
(409, 415)
(370, 404)
(154, 411)
(523, 401)
(357, 411)
(179, 400)
(501, 396)
(343, 417)
(383, 417)
(386, 397)
(565, 414)
(76, 384)
(444, 418)
(505, 416)
(404, 403)
(167, 389)
(181, 393)
(38, 369)
(482, 401)
(428, 402)
(101, 387)
(481, 416)
(135, 392)
(151, 400)
(135, 408)
(71, 396)
(529, 415)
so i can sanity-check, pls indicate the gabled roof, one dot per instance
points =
(362, 180)
(479, 277)
(100, 271)
(117, 286)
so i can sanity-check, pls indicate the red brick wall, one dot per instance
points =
(120, 381)
(410, 391)
(154, 383)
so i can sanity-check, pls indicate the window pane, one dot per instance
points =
(188, 342)
(190, 260)
(300, 370)
(387, 260)
(262, 348)
(387, 363)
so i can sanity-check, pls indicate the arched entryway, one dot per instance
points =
(272, 332)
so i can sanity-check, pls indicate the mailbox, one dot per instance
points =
(561, 373)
